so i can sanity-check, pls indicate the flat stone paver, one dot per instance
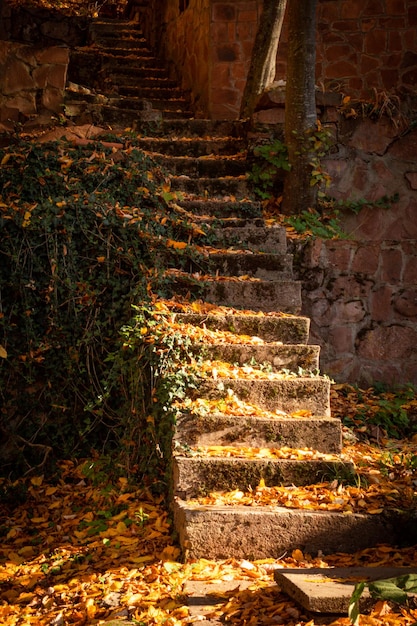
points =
(328, 590)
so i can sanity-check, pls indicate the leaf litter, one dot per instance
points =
(80, 550)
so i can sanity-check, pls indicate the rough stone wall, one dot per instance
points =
(362, 301)
(185, 43)
(210, 45)
(364, 45)
(232, 33)
(32, 81)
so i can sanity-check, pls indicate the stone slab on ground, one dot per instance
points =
(202, 598)
(328, 590)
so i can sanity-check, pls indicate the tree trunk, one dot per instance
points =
(300, 105)
(262, 68)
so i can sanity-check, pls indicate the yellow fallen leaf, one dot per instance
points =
(3, 352)
(297, 555)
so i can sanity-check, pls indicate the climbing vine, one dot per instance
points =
(86, 232)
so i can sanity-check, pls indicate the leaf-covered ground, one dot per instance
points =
(80, 549)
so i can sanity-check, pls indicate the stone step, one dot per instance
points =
(271, 328)
(126, 73)
(223, 208)
(271, 267)
(252, 237)
(109, 43)
(257, 295)
(199, 128)
(211, 187)
(320, 433)
(202, 167)
(289, 395)
(241, 532)
(278, 356)
(219, 146)
(159, 81)
(135, 118)
(109, 25)
(133, 104)
(196, 476)
(151, 93)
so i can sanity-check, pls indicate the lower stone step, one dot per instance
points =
(211, 187)
(289, 395)
(200, 475)
(221, 146)
(276, 357)
(286, 329)
(263, 266)
(222, 532)
(253, 237)
(283, 295)
(222, 208)
(209, 429)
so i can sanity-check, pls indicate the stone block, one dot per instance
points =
(349, 312)
(381, 303)
(342, 339)
(387, 343)
(366, 259)
(405, 303)
(391, 265)
(17, 78)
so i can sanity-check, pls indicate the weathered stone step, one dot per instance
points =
(201, 475)
(126, 73)
(200, 128)
(223, 532)
(272, 328)
(211, 187)
(283, 295)
(122, 118)
(221, 208)
(202, 167)
(151, 93)
(320, 433)
(178, 146)
(116, 43)
(264, 266)
(135, 52)
(175, 104)
(110, 25)
(289, 395)
(159, 81)
(278, 356)
(250, 237)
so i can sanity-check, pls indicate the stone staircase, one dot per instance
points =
(118, 82)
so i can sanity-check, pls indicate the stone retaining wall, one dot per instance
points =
(362, 301)
(32, 81)
(210, 44)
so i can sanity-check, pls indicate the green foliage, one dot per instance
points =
(394, 589)
(270, 161)
(85, 233)
(394, 410)
(324, 221)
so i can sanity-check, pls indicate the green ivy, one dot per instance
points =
(85, 233)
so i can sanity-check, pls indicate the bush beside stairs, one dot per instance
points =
(118, 82)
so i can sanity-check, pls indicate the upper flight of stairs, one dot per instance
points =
(124, 85)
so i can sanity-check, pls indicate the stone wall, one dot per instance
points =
(364, 48)
(32, 81)
(365, 45)
(185, 43)
(210, 44)
(362, 301)
(34, 55)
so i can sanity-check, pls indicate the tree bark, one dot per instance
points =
(300, 105)
(263, 62)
